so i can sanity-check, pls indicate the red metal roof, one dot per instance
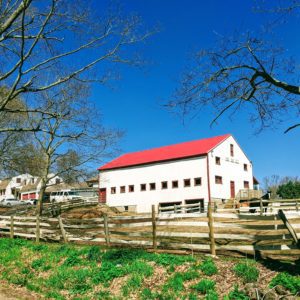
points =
(177, 151)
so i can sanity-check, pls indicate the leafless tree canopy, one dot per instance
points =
(244, 72)
(45, 44)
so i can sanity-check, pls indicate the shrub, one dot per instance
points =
(237, 294)
(204, 286)
(248, 272)
(291, 283)
(208, 267)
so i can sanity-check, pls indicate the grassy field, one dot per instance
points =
(89, 272)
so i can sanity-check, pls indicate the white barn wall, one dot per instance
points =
(156, 172)
(231, 169)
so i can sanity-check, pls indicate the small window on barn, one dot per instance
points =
(126, 208)
(246, 184)
(218, 160)
(175, 184)
(245, 167)
(197, 181)
(122, 189)
(218, 180)
(187, 182)
(18, 180)
(152, 186)
(131, 188)
(113, 190)
(25, 182)
(57, 181)
(164, 185)
(143, 187)
(231, 150)
(32, 180)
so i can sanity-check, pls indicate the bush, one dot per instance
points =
(204, 286)
(208, 267)
(289, 190)
(248, 272)
(291, 283)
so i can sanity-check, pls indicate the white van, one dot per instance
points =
(62, 196)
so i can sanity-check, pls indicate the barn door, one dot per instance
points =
(232, 189)
(102, 195)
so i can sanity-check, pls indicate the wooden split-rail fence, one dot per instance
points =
(274, 235)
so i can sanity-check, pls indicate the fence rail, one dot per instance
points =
(264, 235)
(259, 206)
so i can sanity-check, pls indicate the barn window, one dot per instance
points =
(231, 150)
(143, 187)
(122, 189)
(218, 179)
(152, 186)
(175, 184)
(57, 181)
(187, 182)
(113, 190)
(245, 167)
(197, 181)
(18, 180)
(164, 185)
(218, 160)
(246, 184)
(131, 188)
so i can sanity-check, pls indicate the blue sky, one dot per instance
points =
(135, 102)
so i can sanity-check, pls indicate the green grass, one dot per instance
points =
(204, 286)
(208, 267)
(291, 283)
(91, 272)
(247, 271)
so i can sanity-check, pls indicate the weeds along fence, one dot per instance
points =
(274, 236)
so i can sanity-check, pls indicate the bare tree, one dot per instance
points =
(244, 72)
(70, 136)
(44, 45)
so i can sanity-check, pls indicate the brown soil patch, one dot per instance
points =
(13, 292)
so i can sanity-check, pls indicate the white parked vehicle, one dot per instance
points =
(62, 196)
(12, 202)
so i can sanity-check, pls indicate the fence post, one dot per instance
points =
(62, 229)
(37, 232)
(261, 207)
(211, 230)
(154, 227)
(11, 227)
(106, 231)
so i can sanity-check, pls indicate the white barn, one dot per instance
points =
(185, 173)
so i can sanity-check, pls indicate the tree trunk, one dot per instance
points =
(39, 207)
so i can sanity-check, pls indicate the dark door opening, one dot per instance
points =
(102, 195)
(232, 189)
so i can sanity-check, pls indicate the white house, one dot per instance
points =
(186, 173)
(11, 187)
(24, 186)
